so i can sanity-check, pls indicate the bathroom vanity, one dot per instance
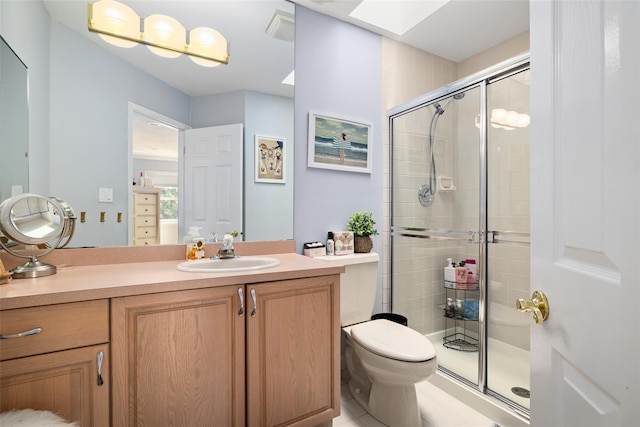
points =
(141, 343)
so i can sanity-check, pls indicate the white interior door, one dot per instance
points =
(213, 179)
(585, 206)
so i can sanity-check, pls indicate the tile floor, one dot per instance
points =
(438, 409)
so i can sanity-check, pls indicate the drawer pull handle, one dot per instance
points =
(241, 311)
(99, 361)
(33, 331)
(255, 304)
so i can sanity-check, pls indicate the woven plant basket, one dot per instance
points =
(362, 244)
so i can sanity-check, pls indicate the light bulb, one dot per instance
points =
(498, 115)
(523, 120)
(117, 19)
(512, 118)
(166, 32)
(207, 42)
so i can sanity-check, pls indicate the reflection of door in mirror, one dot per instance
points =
(192, 177)
(14, 116)
(155, 157)
(213, 181)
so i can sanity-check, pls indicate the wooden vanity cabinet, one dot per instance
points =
(179, 357)
(293, 352)
(57, 368)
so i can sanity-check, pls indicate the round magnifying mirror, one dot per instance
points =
(31, 219)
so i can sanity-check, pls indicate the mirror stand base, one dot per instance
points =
(33, 269)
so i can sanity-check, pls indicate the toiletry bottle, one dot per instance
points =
(450, 271)
(141, 180)
(459, 309)
(461, 274)
(195, 244)
(471, 280)
(330, 244)
(450, 310)
(471, 265)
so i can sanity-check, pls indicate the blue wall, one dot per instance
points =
(338, 72)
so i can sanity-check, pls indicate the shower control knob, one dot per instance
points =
(538, 305)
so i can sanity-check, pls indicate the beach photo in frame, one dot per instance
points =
(270, 159)
(339, 143)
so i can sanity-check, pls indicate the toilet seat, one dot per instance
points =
(393, 341)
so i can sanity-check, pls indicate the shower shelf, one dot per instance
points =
(456, 322)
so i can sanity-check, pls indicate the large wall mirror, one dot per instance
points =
(100, 94)
(14, 123)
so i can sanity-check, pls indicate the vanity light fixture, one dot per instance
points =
(509, 120)
(118, 24)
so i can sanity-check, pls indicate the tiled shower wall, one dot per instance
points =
(407, 73)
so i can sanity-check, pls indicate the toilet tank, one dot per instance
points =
(358, 285)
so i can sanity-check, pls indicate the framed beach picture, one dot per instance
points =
(339, 143)
(270, 159)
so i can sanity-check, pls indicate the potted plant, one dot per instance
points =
(362, 226)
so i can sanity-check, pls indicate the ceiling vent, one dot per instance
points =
(281, 25)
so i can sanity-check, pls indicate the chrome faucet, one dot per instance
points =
(227, 250)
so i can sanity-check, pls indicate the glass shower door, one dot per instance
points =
(435, 191)
(507, 250)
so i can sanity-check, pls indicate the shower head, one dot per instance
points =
(440, 109)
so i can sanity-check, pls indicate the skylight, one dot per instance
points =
(398, 16)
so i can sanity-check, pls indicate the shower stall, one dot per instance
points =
(460, 191)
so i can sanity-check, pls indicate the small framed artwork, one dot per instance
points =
(270, 159)
(339, 143)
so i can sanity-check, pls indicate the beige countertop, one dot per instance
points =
(88, 282)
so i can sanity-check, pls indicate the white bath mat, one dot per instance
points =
(32, 418)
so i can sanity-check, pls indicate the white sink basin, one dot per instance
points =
(244, 263)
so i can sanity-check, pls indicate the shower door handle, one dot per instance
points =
(538, 305)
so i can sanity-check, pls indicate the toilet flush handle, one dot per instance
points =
(538, 305)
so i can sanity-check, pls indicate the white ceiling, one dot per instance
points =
(456, 31)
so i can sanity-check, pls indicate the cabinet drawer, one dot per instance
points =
(145, 232)
(145, 221)
(145, 199)
(146, 241)
(145, 210)
(64, 326)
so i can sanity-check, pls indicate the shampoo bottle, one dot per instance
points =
(330, 244)
(450, 271)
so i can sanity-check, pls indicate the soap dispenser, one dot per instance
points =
(195, 244)
(450, 271)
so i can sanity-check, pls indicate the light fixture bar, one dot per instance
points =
(93, 24)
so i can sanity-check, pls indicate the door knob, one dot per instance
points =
(538, 305)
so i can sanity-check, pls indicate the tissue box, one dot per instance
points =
(343, 242)
(314, 249)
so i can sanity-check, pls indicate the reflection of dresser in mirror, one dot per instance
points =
(146, 216)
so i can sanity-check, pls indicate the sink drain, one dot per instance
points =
(521, 392)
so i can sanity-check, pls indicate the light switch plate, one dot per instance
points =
(105, 195)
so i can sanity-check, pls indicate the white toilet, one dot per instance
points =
(385, 359)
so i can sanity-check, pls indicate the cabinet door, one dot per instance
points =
(63, 382)
(293, 352)
(178, 359)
